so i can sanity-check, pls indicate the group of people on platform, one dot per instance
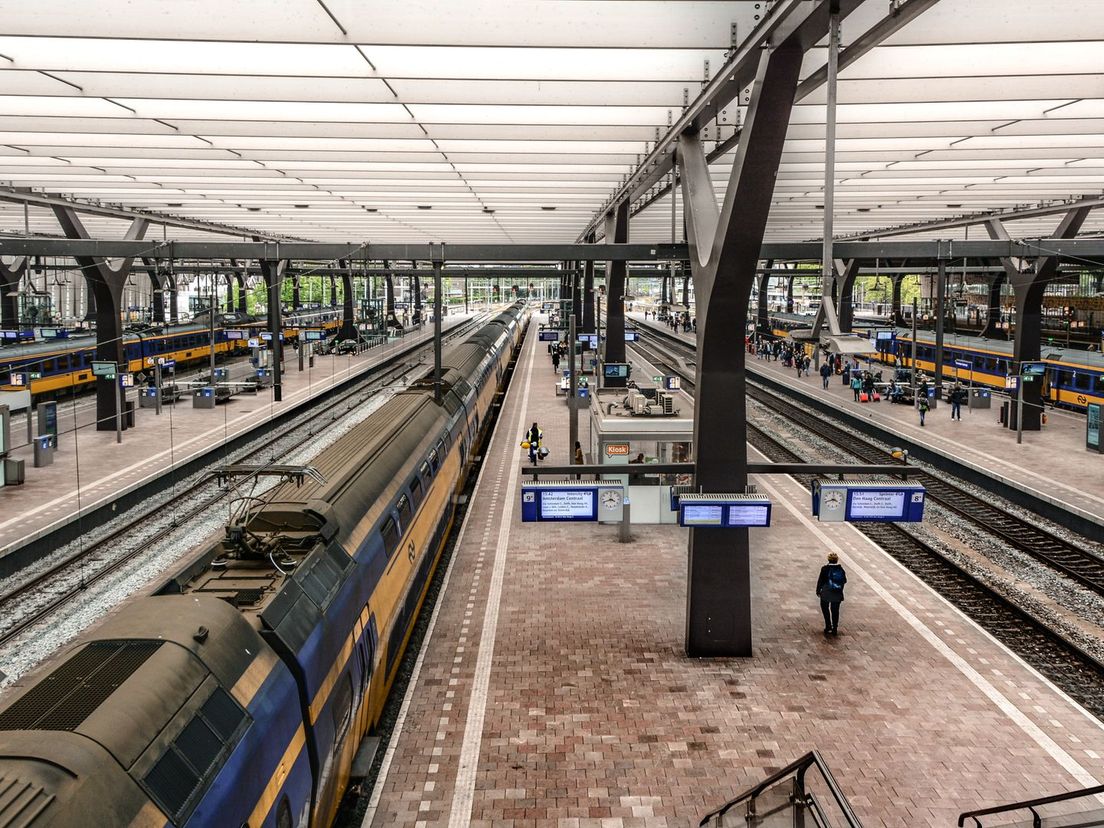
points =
(675, 320)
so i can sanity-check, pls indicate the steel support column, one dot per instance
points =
(1028, 285)
(348, 322)
(686, 291)
(940, 323)
(588, 294)
(10, 275)
(724, 254)
(617, 231)
(762, 319)
(576, 289)
(845, 280)
(333, 291)
(417, 298)
(296, 299)
(243, 302)
(389, 299)
(898, 316)
(993, 312)
(106, 280)
(229, 302)
(273, 272)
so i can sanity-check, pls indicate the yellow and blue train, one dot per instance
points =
(239, 693)
(64, 366)
(1073, 379)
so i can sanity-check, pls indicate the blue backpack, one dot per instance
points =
(835, 579)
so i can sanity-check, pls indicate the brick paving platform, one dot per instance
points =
(553, 690)
(49, 499)
(1051, 464)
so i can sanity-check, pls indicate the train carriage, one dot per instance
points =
(294, 624)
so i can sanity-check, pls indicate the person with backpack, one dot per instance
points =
(830, 591)
(556, 360)
(533, 437)
(825, 373)
(923, 407)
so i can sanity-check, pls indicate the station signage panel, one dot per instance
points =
(962, 363)
(1093, 427)
(548, 336)
(54, 333)
(314, 335)
(726, 511)
(672, 383)
(616, 370)
(235, 334)
(266, 336)
(632, 336)
(571, 502)
(104, 369)
(883, 502)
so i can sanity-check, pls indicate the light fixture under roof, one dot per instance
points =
(425, 206)
(488, 209)
(864, 209)
(175, 204)
(253, 209)
(548, 208)
(953, 206)
(301, 206)
(371, 209)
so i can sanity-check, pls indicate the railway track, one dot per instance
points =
(114, 551)
(1074, 561)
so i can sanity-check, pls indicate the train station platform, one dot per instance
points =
(91, 470)
(1051, 465)
(552, 687)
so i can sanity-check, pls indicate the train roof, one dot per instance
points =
(1047, 351)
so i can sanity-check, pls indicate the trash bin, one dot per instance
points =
(980, 398)
(14, 472)
(128, 413)
(43, 451)
(1004, 414)
(147, 397)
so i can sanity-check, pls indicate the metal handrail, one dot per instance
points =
(798, 769)
(1028, 805)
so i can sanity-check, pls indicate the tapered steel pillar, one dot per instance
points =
(243, 303)
(333, 291)
(296, 300)
(273, 273)
(348, 322)
(724, 252)
(789, 294)
(389, 296)
(617, 231)
(762, 316)
(576, 290)
(993, 312)
(1028, 284)
(107, 280)
(229, 302)
(686, 291)
(588, 293)
(845, 279)
(898, 316)
(9, 283)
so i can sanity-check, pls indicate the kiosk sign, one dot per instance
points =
(1092, 427)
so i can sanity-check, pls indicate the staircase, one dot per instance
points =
(790, 798)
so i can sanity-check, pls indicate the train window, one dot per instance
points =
(416, 493)
(192, 759)
(171, 782)
(434, 463)
(424, 472)
(1065, 378)
(342, 708)
(1081, 381)
(390, 534)
(403, 508)
(47, 366)
(223, 713)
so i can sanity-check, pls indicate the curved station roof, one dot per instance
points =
(504, 121)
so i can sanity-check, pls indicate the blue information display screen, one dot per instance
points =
(616, 370)
(631, 336)
(748, 514)
(567, 504)
(548, 336)
(1092, 427)
(702, 515)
